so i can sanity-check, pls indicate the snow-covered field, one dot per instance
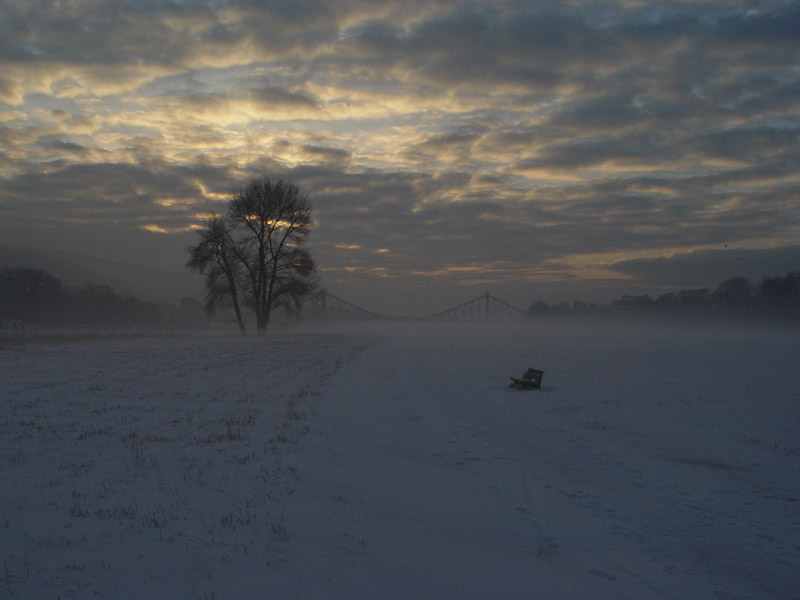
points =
(391, 460)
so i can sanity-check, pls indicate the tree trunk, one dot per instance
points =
(239, 319)
(262, 322)
(268, 291)
(235, 302)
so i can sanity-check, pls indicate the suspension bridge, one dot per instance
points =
(484, 307)
(327, 305)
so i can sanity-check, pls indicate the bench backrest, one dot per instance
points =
(533, 375)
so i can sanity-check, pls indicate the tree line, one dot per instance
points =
(36, 297)
(737, 298)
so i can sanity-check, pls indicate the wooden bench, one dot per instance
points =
(530, 380)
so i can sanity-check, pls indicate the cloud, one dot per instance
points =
(236, 108)
(709, 268)
(271, 96)
(607, 113)
(322, 154)
(744, 144)
(441, 143)
(594, 151)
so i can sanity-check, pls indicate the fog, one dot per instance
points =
(150, 281)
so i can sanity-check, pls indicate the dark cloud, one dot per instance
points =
(611, 112)
(103, 192)
(52, 142)
(768, 96)
(39, 31)
(762, 26)
(449, 147)
(592, 151)
(274, 96)
(744, 143)
(324, 154)
(286, 27)
(708, 268)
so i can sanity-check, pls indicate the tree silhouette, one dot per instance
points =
(781, 295)
(735, 295)
(216, 258)
(255, 251)
(29, 294)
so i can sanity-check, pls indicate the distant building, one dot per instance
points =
(579, 307)
(629, 303)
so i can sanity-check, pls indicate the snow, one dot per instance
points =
(392, 460)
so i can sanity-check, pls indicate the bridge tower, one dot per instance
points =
(327, 305)
(483, 307)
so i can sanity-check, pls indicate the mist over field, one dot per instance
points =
(392, 460)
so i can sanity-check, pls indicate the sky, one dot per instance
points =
(538, 150)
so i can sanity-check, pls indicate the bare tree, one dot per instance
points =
(293, 279)
(274, 218)
(215, 256)
(734, 294)
(255, 251)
